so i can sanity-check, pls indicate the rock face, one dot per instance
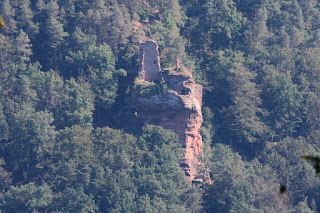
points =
(178, 109)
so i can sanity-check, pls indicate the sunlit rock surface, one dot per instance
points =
(178, 108)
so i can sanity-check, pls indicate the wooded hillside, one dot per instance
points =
(68, 140)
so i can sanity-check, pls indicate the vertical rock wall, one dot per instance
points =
(179, 109)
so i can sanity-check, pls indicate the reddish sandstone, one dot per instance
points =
(178, 109)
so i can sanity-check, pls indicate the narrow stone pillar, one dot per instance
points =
(149, 66)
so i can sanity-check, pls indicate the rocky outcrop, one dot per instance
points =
(178, 109)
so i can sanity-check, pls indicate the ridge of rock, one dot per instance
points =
(177, 108)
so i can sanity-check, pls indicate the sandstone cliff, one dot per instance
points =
(177, 107)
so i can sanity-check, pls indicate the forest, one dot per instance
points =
(68, 142)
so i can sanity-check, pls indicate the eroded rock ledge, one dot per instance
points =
(177, 106)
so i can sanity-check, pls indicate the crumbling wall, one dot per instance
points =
(149, 67)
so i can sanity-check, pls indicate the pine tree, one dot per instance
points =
(22, 47)
(55, 33)
(297, 37)
(55, 37)
(23, 13)
(80, 41)
(118, 28)
(259, 28)
(52, 8)
(283, 100)
(245, 110)
(40, 5)
(299, 20)
(24, 17)
(284, 38)
(6, 51)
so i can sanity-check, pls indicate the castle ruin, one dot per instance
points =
(179, 109)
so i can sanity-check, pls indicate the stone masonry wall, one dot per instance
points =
(149, 67)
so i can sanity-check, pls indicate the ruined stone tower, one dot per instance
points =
(149, 67)
(177, 109)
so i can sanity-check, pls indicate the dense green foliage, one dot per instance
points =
(67, 74)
